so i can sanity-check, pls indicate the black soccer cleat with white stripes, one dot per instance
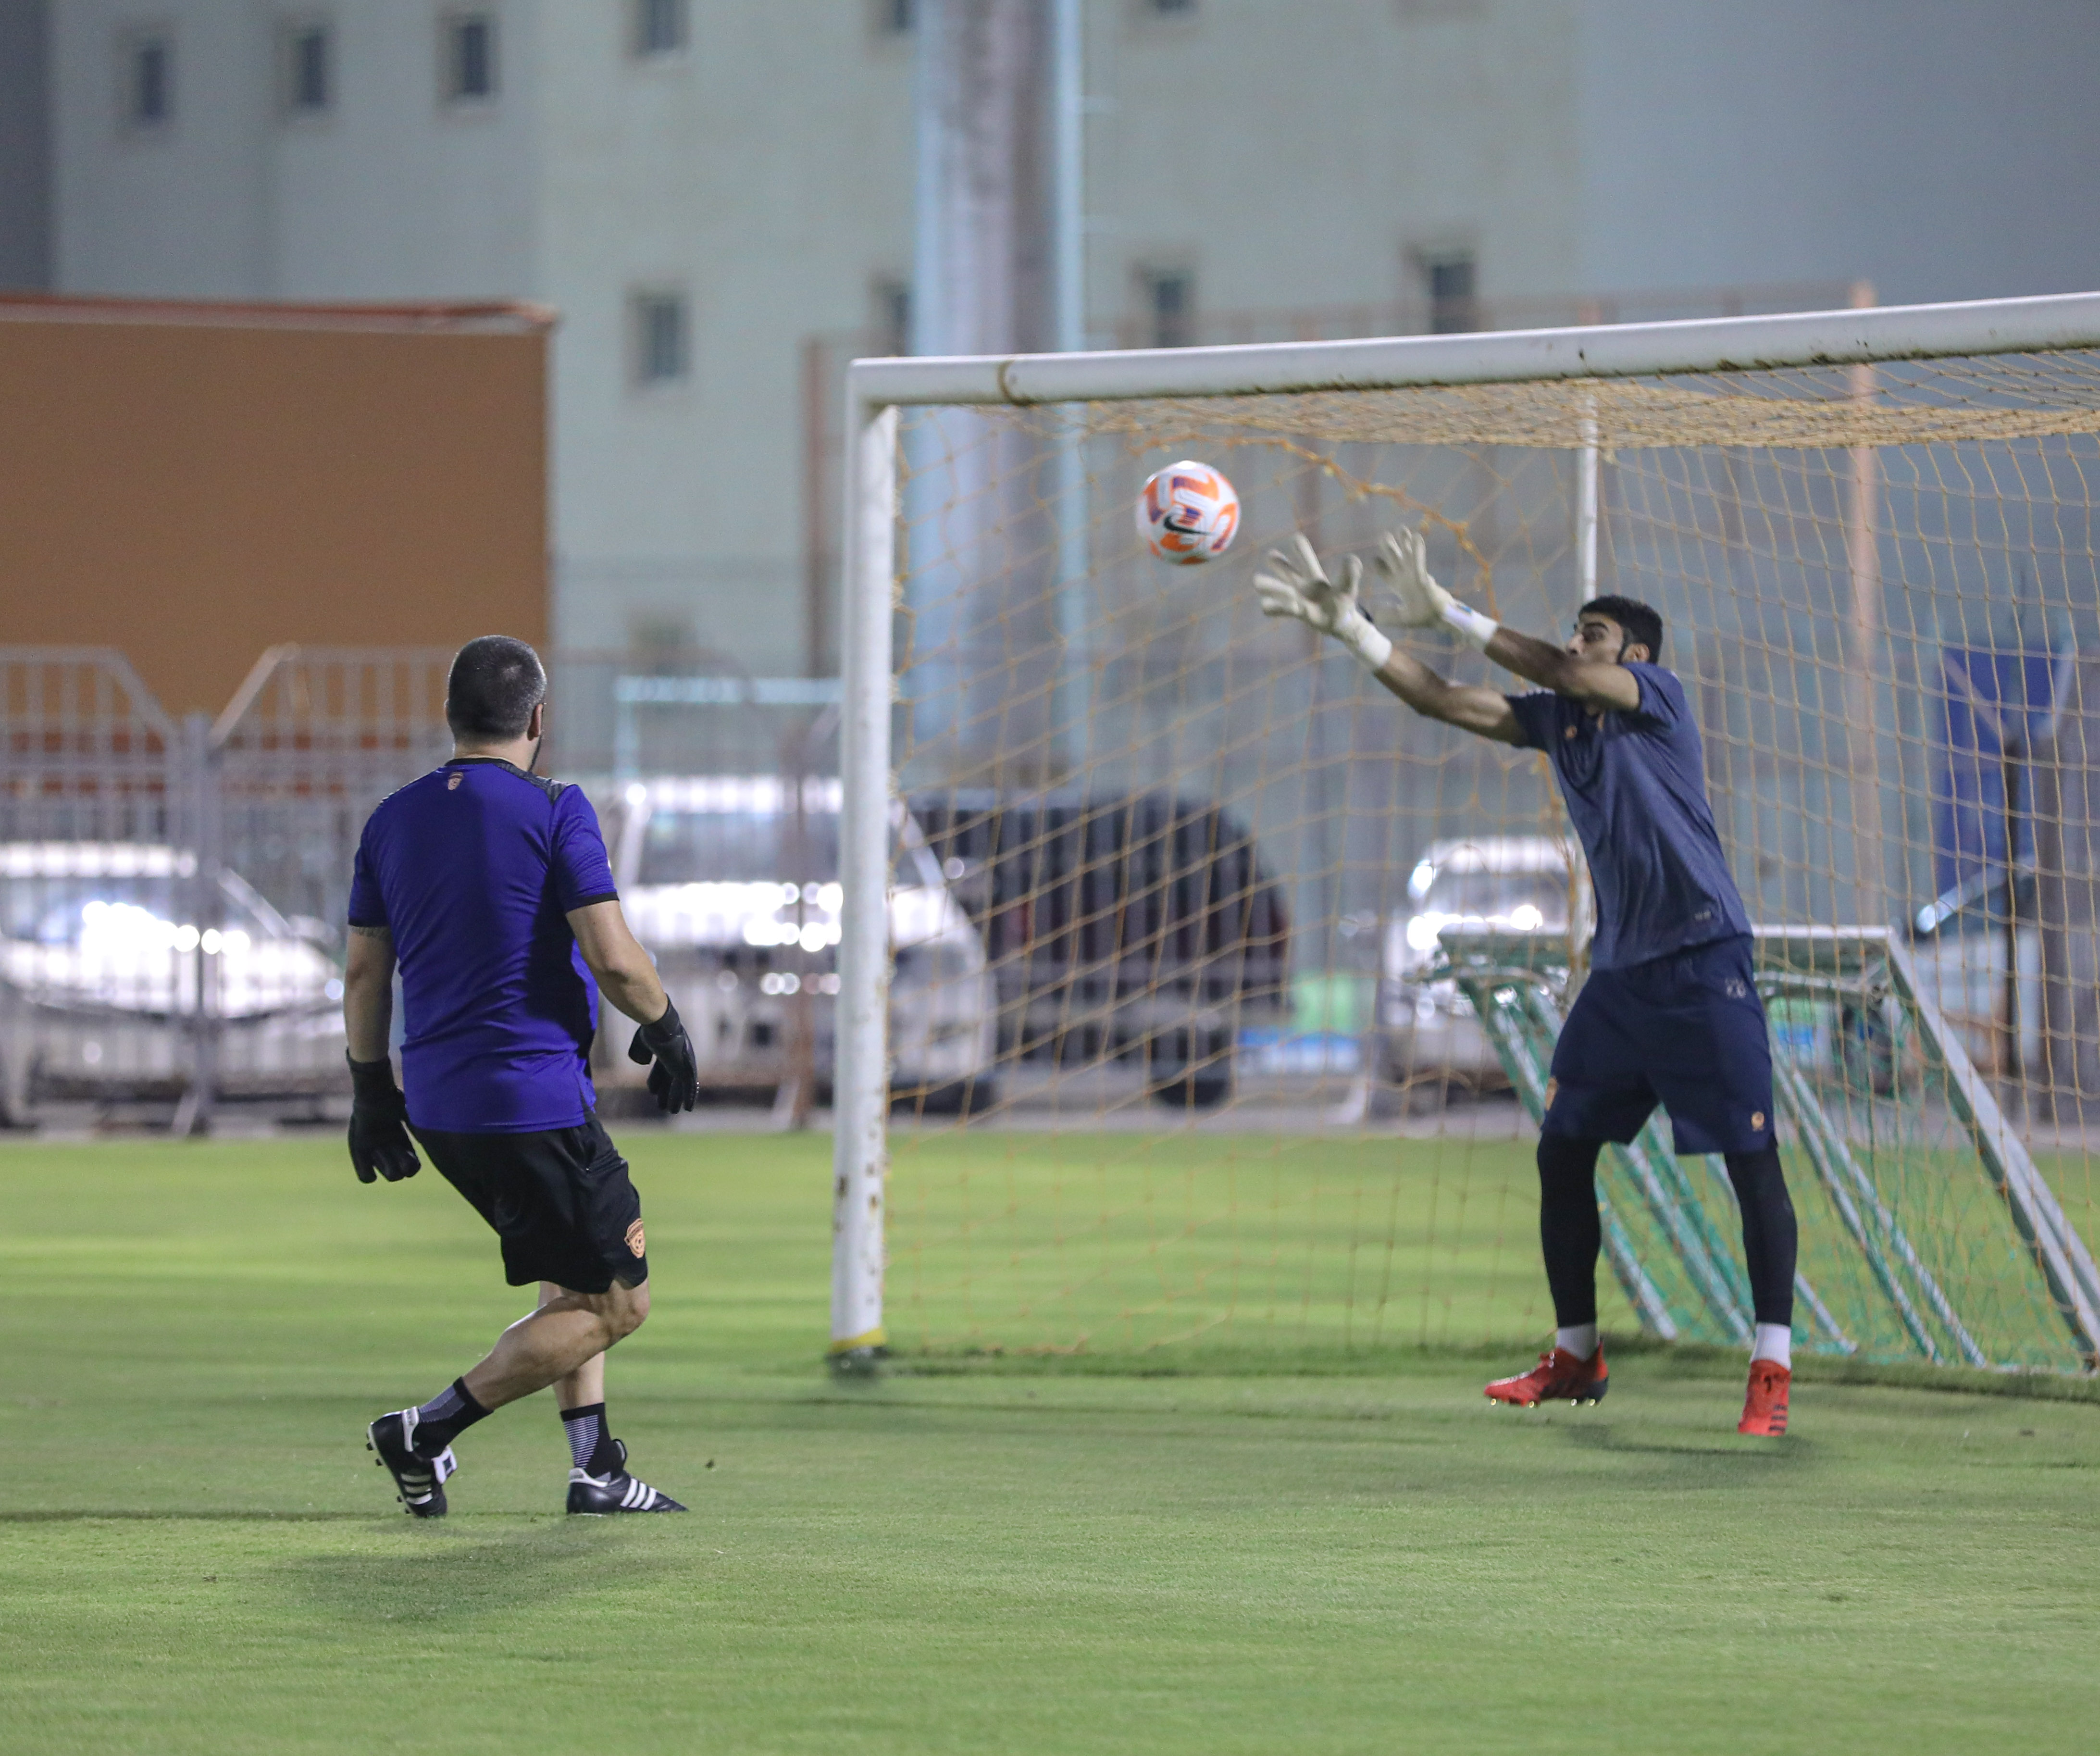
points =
(615, 1491)
(419, 1480)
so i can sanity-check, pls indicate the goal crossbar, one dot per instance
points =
(1871, 334)
(877, 389)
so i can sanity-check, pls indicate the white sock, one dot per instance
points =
(1774, 1341)
(1580, 1341)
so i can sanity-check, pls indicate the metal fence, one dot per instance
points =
(174, 889)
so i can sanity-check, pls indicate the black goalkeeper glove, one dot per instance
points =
(674, 1082)
(379, 1143)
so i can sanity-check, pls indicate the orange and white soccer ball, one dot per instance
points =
(1188, 514)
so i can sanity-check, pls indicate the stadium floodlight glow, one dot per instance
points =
(1764, 389)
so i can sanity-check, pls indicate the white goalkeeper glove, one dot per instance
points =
(1299, 587)
(1423, 603)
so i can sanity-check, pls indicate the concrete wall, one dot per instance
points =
(393, 194)
(1301, 155)
(765, 173)
(25, 145)
(1937, 147)
(1290, 157)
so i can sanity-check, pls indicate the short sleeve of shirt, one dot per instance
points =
(368, 907)
(583, 874)
(1535, 714)
(1662, 696)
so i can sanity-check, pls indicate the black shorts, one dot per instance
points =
(560, 1199)
(1686, 1030)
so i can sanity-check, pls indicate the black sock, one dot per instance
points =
(445, 1417)
(1771, 1239)
(1569, 1231)
(590, 1446)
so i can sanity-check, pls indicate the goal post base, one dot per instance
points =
(858, 1355)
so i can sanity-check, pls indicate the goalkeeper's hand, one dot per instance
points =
(1402, 563)
(674, 1080)
(379, 1143)
(1297, 586)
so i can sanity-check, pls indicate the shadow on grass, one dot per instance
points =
(88, 1515)
(1748, 1456)
(450, 1574)
(1686, 1360)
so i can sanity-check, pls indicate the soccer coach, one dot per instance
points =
(489, 886)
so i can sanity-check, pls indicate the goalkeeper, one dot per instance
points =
(490, 885)
(1670, 1012)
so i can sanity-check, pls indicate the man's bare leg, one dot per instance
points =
(562, 1343)
(599, 1479)
(586, 1384)
(565, 1337)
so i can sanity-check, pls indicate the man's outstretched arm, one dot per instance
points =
(1556, 668)
(1298, 587)
(1423, 603)
(1468, 706)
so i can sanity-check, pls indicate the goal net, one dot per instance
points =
(1224, 985)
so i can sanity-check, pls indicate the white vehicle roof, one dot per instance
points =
(1501, 854)
(760, 794)
(1495, 854)
(93, 859)
(701, 911)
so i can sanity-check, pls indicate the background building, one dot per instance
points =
(717, 197)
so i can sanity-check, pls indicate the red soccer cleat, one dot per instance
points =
(1764, 1407)
(1558, 1377)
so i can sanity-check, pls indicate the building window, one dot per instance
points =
(663, 340)
(1169, 308)
(147, 71)
(893, 317)
(309, 70)
(1450, 280)
(469, 57)
(660, 26)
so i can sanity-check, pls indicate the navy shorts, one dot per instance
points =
(1687, 1031)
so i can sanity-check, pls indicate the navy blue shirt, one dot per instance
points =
(1635, 783)
(472, 868)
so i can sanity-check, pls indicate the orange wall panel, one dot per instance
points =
(193, 492)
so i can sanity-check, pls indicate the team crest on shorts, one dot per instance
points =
(1757, 1119)
(1552, 1091)
(634, 1239)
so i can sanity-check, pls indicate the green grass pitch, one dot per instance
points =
(196, 1555)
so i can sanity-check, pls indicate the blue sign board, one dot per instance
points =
(1986, 697)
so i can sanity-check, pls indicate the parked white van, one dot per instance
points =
(1427, 1034)
(737, 897)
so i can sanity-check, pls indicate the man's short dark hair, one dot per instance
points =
(495, 684)
(1643, 627)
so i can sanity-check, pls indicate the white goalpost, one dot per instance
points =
(1719, 450)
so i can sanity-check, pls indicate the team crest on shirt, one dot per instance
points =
(1552, 1092)
(453, 784)
(634, 1239)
